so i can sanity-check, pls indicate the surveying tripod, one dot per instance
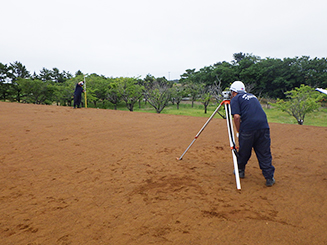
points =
(226, 103)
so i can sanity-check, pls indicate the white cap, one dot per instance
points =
(237, 87)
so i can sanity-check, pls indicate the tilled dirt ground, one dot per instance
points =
(89, 176)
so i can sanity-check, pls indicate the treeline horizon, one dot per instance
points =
(267, 78)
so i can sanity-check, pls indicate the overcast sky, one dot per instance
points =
(163, 38)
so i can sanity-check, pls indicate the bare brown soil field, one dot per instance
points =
(89, 176)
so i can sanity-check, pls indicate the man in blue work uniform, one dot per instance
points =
(251, 122)
(78, 94)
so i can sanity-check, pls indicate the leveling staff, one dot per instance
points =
(251, 122)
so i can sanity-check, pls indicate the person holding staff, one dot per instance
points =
(78, 94)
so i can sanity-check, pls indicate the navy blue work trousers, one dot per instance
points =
(77, 100)
(260, 141)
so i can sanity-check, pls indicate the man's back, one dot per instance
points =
(252, 115)
(78, 90)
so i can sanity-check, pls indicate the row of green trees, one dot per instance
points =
(53, 86)
(264, 77)
(268, 77)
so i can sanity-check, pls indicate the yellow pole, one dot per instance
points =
(85, 92)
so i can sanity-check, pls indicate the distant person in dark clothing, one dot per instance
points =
(78, 94)
(251, 122)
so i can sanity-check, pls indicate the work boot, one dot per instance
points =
(270, 182)
(241, 173)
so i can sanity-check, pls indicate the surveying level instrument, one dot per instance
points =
(226, 103)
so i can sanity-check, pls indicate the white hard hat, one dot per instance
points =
(237, 87)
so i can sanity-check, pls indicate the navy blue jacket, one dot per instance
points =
(252, 115)
(78, 90)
